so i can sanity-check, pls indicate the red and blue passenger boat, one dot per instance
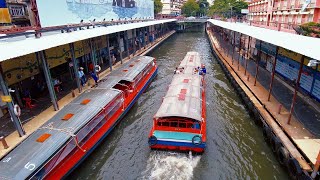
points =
(62, 143)
(180, 123)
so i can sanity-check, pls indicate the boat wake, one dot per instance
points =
(170, 165)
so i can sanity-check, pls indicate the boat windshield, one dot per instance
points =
(178, 122)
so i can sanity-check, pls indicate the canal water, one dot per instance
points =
(235, 145)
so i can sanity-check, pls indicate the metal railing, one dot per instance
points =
(20, 31)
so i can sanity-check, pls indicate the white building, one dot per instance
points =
(172, 7)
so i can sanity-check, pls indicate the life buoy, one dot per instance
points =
(97, 68)
(152, 140)
(17, 110)
(275, 143)
(196, 140)
(294, 168)
(283, 155)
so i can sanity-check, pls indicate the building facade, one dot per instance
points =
(172, 7)
(283, 15)
(20, 13)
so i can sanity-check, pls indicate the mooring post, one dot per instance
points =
(4, 142)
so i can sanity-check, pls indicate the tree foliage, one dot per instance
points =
(190, 8)
(203, 7)
(157, 6)
(223, 8)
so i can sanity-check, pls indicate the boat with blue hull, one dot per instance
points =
(62, 143)
(180, 123)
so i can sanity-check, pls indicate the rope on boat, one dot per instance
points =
(67, 131)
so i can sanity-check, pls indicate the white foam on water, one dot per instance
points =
(168, 165)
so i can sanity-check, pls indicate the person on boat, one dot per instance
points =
(203, 70)
(177, 71)
(181, 69)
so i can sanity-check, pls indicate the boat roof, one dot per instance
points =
(36, 153)
(9, 50)
(130, 70)
(190, 61)
(184, 96)
(304, 45)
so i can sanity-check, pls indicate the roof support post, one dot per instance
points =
(139, 39)
(233, 46)
(247, 56)
(134, 40)
(14, 118)
(144, 38)
(75, 67)
(296, 89)
(47, 76)
(93, 56)
(108, 51)
(118, 40)
(127, 43)
(273, 72)
(239, 52)
(257, 64)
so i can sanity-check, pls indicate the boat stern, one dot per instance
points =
(177, 141)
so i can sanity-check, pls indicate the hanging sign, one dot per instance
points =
(6, 99)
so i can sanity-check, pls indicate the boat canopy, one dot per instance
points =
(130, 70)
(25, 160)
(183, 99)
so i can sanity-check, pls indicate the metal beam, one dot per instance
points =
(127, 43)
(239, 52)
(134, 35)
(75, 67)
(108, 49)
(247, 55)
(257, 64)
(233, 45)
(296, 89)
(93, 56)
(47, 76)
(118, 40)
(273, 72)
(16, 121)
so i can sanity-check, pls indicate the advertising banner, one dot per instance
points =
(63, 12)
(266, 47)
(4, 12)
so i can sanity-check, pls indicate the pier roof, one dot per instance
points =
(9, 50)
(304, 45)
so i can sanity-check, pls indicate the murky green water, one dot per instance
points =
(235, 145)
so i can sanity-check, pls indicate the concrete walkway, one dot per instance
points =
(13, 139)
(308, 143)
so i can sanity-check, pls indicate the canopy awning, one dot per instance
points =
(307, 46)
(9, 50)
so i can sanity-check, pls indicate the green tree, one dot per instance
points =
(204, 6)
(190, 8)
(157, 6)
(223, 8)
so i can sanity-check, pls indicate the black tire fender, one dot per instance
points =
(275, 143)
(194, 140)
(283, 156)
(152, 140)
(294, 168)
(266, 132)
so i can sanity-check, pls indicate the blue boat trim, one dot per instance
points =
(180, 144)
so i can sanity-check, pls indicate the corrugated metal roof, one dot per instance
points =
(184, 96)
(304, 45)
(9, 50)
(35, 153)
